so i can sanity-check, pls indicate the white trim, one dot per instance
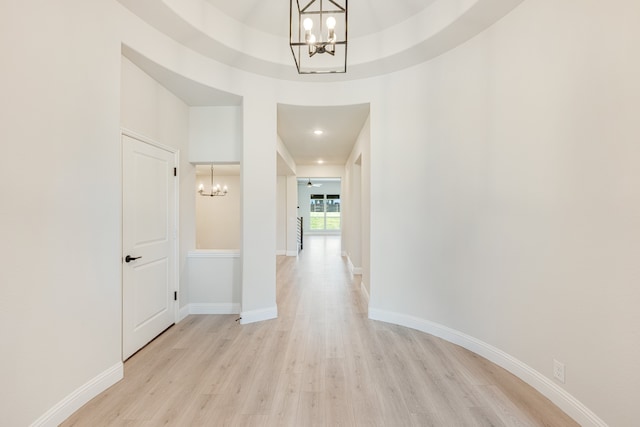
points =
(363, 289)
(292, 253)
(214, 253)
(176, 234)
(67, 406)
(281, 252)
(214, 308)
(183, 312)
(560, 397)
(344, 253)
(147, 140)
(352, 268)
(259, 315)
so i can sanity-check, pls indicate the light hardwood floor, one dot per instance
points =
(321, 363)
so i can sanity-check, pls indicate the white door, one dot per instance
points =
(148, 243)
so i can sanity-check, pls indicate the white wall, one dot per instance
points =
(523, 142)
(352, 215)
(522, 146)
(357, 204)
(258, 207)
(60, 208)
(284, 156)
(149, 109)
(292, 216)
(320, 171)
(215, 134)
(218, 218)
(287, 202)
(286, 215)
(281, 215)
(215, 282)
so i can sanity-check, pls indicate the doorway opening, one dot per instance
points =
(320, 205)
(149, 246)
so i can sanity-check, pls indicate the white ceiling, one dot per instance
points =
(192, 93)
(340, 125)
(365, 16)
(401, 32)
(384, 35)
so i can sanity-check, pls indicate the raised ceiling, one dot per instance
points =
(252, 35)
(365, 16)
(384, 36)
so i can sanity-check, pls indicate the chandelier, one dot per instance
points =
(216, 190)
(318, 36)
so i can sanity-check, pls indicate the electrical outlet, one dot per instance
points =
(558, 371)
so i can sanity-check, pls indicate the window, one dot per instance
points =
(324, 212)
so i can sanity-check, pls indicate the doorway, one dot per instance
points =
(319, 201)
(149, 241)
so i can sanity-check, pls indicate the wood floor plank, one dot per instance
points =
(311, 409)
(339, 410)
(321, 363)
(284, 409)
(261, 392)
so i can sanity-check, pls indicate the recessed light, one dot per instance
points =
(318, 132)
(320, 161)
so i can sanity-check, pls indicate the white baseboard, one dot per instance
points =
(253, 316)
(352, 268)
(63, 410)
(363, 289)
(561, 398)
(223, 308)
(182, 313)
(292, 253)
(280, 252)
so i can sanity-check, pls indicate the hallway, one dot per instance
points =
(322, 362)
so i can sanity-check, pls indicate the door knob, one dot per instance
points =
(130, 258)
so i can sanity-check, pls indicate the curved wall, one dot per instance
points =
(520, 149)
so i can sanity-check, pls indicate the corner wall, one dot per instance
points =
(258, 207)
(150, 110)
(357, 187)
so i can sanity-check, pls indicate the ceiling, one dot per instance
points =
(365, 16)
(192, 93)
(340, 125)
(252, 35)
(384, 35)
